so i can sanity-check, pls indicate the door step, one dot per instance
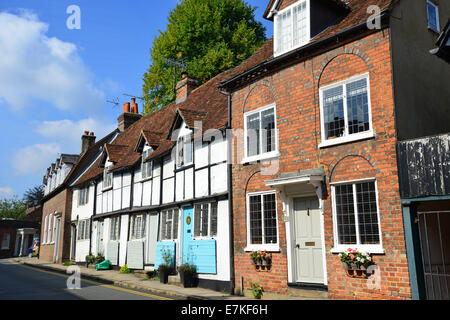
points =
(311, 293)
(175, 279)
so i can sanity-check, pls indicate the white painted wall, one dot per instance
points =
(123, 239)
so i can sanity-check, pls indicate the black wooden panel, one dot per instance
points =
(424, 166)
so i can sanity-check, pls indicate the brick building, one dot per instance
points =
(320, 108)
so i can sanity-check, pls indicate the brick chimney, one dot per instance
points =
(87, 140)
(128, 117)
(185, 86)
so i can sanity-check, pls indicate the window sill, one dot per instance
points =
(146, 179)
(184, 167)
(371, 249)
(107, 189)
(262, 247)
(264, 156)
(347, 139)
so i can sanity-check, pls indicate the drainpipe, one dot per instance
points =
(230, 193)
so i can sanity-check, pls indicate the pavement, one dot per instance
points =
(139, 281)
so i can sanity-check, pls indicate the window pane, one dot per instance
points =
(175, 224)
(205, 219)
(300, 17)
(357, 106)
(432, 16)
(253, 135)
(189, 143)
(367, 213)
(169, 224)
(333, 112)
(270, 219)
(345, 214)
(268, 130)
(255, 220)
(163, 225)
(284, 31)
(197, 219)
(213, 219)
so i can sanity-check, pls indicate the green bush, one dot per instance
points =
(125, 269)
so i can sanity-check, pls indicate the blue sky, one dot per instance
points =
(54, 81)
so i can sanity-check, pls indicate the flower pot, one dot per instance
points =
(163, 275)
(187, 279)
(353, 266)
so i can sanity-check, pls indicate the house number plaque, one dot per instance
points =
(188, 220)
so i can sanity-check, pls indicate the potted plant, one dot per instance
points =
(266, 258)
(352, 259)
(90, 259)
(256, 289)
(187, 275)
(255, 257)
(99, 258)
(165, 268)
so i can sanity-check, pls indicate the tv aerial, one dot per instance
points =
(115, 102)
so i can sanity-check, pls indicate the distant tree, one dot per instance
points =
(33, 196)
(12, 208)
(208, 36)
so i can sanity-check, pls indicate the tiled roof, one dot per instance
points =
(357, 15)
(204, 103)
(115, 152)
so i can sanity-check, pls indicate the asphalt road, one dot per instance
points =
(19, 282)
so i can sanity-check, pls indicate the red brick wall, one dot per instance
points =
(61, 202)
(295, 90)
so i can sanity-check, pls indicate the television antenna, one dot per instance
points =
(115, 102)
(181, 63)
(133, 96)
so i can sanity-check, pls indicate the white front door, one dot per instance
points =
(308, 237)
(58, 230)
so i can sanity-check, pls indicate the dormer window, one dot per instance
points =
(107, 178)
(185, 146)
(292, 27)
(146, 165)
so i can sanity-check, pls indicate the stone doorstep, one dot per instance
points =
(308, 293)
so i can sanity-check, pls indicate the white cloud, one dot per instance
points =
(35, 66)
(33, 160)
(68, 132)
(6, 192)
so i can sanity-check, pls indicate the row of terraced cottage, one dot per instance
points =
(304, 150)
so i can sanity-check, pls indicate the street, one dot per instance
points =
(19, 282)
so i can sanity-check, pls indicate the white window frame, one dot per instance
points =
(436, 8)
(84, 230)
(369, 248)
(346, 137)
(107, 176)
(140, 235)
(182, 146)
(163, 236)
(275, 22)
(114, 228)
(83, 196)
(146, 165)
(44, 235)
(271, 247)
(266, 155)
(209, 235)
(54, 228)
(49, 229)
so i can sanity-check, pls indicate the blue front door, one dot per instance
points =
(187, 232)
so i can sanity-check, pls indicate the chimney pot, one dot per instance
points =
(134, 106)
(126, 107)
